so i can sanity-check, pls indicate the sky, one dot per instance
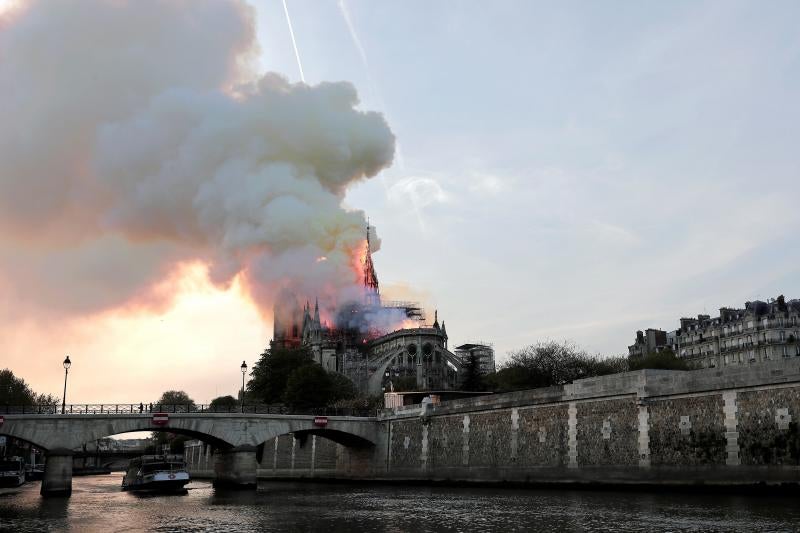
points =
(561, 171)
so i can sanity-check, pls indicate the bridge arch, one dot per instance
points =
(349, 440)
(24, 438)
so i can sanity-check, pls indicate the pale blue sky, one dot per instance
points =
(573, 170)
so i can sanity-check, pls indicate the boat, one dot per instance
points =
(162, 473)
(12, 471)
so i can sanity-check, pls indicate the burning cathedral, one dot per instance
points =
(371, 341)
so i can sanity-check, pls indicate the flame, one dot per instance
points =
(358, 261)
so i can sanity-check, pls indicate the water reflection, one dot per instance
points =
(98, 504)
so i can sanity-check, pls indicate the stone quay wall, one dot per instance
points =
(717, 426)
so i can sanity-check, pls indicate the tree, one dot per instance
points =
(550, 363)
(404, 383)
(664, 360)
(224, 403)
(14, 391)
(271, 373)
(171, 398)
(341, 387)
(177, 398)
(472, 379)
(308, 386)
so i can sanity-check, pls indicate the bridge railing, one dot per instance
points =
(131, 408)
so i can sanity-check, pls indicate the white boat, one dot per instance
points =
(12, 471)
(164, 473)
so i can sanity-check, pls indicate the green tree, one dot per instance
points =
(404, 383)
(180, 400)
(224, 403)
(308, 386)
(550, 363)
(472, 379)
(177, 398)
(341, 387)
(370, 403)
(271, 373)
(664, 360)
(14, 391)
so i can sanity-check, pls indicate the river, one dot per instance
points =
(97, 504)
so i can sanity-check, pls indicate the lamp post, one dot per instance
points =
(67, 364)
(244, 371)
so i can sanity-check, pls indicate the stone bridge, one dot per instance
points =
(234, 436)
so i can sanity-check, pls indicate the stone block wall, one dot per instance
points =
(607, 432)
(405, 449)
(768, 426)
(687, 431)
(542, 436)
(446, 443)
(640, 427)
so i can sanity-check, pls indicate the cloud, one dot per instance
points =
(417, 192)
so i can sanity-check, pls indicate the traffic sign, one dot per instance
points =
(321, 421)
(160, 419)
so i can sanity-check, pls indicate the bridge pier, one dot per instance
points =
(235, 468)
(57, 480)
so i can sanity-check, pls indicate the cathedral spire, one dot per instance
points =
(436, 319)
(370, 277)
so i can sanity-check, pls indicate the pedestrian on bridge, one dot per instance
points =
(141, 407)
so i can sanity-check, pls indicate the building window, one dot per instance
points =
(785, 351)
(783, 335)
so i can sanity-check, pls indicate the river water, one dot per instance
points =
(97, 504)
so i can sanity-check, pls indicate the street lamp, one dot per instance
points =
(67, 364)
(244, 371)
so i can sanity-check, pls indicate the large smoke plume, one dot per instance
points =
(135, 138)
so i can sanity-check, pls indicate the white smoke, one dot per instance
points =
(134, 137)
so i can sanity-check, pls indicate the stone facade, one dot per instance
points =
(759, 332)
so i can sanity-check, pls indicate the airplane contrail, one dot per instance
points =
(371, 85)
(294, 42)
(353, 35)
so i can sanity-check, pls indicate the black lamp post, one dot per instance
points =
(67, 364)
(244, 371)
